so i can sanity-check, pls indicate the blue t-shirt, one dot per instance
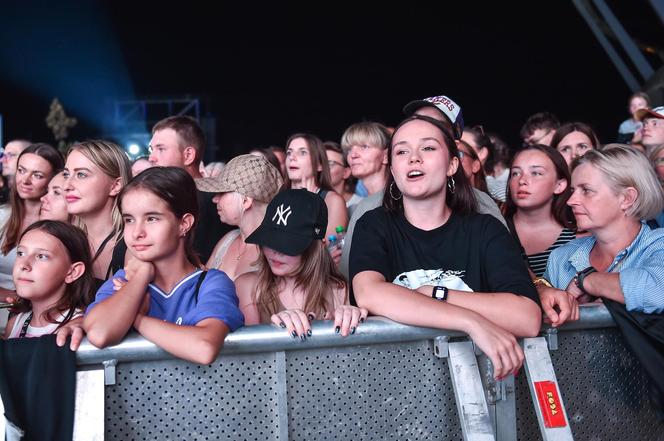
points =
(216, 299)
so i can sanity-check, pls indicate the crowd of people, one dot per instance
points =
(444, 226)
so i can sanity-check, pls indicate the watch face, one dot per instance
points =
(439, 293)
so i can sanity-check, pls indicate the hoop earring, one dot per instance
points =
(451, 185)
(392, 192)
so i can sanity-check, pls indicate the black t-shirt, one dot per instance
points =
(210, 228)
(473, 252)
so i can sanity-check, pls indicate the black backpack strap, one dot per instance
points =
(652, 223)
(198, 285)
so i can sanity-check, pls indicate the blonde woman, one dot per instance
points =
(95, 172)
(243, 189)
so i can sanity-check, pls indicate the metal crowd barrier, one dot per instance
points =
(388, 381)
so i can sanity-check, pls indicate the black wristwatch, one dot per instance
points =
(581, 275)
(440, 293)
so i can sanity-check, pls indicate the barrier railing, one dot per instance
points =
(387, 381)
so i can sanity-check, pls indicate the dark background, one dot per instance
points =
(266, 72)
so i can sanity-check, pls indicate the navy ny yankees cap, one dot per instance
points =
(293, 220)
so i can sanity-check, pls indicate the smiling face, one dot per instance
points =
(421, 160)
(87, 188)
(151, 230)
(53, 203)
(281, 264)
(32, 175)
(42, 266)
(574, 145)
(298, 160)
(533, 180)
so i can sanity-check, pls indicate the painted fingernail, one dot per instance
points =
(303, 337)
(309, 332)
(352, 330)
(282, 324)
(311, 317)
(294, 334)
(361, 319)
(337, 329)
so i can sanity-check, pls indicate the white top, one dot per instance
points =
(6, 261)
(34, 331)
(223, 248)
(498, 185)
(351, 204)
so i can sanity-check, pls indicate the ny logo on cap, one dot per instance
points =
(283, 214)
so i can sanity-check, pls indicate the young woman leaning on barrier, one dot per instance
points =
(298, 280)
(426, 258)
(162, 291)
(613, 190)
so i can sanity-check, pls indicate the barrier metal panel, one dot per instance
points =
(605, 391)
(390, 392)
(385, 382)
(235, 398)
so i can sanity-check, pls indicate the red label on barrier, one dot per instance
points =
(549, 401)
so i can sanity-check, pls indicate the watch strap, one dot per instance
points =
(581, 275)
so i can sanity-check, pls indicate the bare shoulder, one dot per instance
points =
(245, 285)
(332, 198)
(9, 326)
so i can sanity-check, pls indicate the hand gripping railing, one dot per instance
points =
(483, 404)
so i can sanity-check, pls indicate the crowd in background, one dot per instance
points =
(430, 223)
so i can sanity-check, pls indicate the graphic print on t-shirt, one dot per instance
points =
(451, 279)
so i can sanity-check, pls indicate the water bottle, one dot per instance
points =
(331, 242)
(341, 233)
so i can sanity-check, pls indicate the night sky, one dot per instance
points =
(266, 73)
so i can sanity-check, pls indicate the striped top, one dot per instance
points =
(537, 261)
(640, 265)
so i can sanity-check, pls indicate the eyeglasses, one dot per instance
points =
(332, 162)
(9, 155)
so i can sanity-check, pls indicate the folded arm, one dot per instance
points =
(200, 343)
(110, 320)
